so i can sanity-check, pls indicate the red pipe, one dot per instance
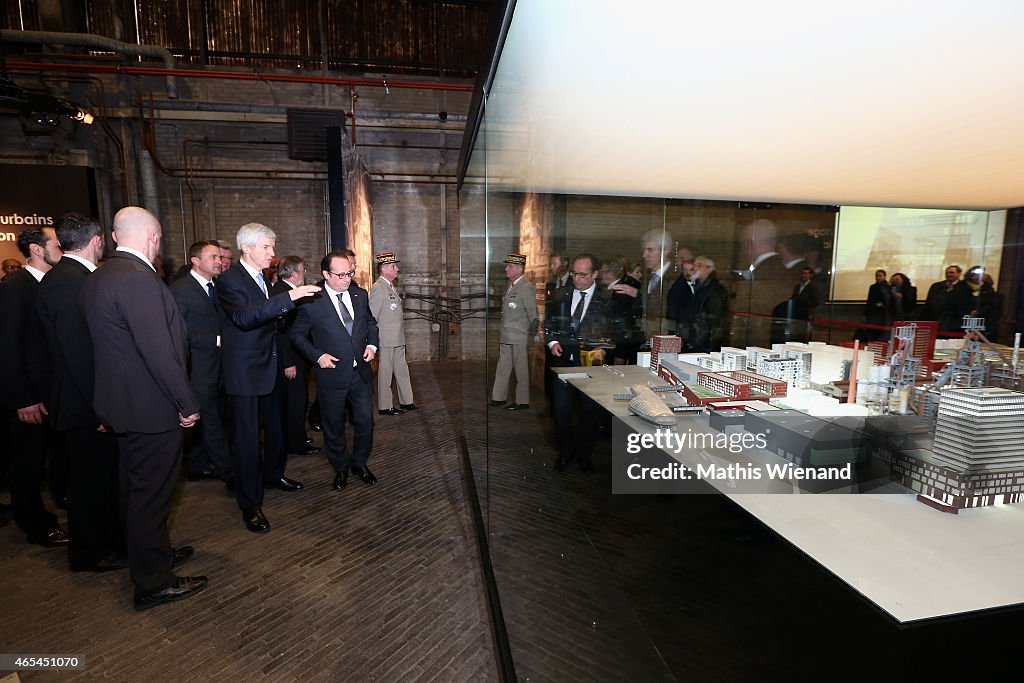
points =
(232, 76)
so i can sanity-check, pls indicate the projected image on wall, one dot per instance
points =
(919, 243)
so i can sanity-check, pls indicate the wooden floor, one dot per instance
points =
(372, 583)
(382, 583)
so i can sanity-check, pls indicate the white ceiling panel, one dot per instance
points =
(885, 104)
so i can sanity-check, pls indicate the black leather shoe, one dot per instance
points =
(496, 404)
(560, 464)
(182, 587)
(284, 484)
(586, 465)
(392, 411)
(307, 450)
(110, 563)
(199, 476)
(315, 426)
(517, 406)
(309, 442)
(181, 553)
(50, 539)
(407, 406)
(255, 521)
(341, 480)
(365, 474)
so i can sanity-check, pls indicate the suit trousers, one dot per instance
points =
(250, 469)
(392, 363)
(94, 514)
(574, 440)
(512, 356)
(207, 441)
(28, 466)
(359, 398)
(148, 467)
(297, 401)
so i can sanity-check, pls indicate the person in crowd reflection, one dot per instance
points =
(680, 294)
(946, 299)
(386, 307)
(337, 333)
(25, 383)
(574, 320)
(877, 310)
(988, 303)
(707, 319)
(518, 328)
(209, 456)
(763, 283)
(142, 392)
(253, 374)
(656, 250)
(9, 267)
(626, 312)
(904, 297)
(94, 522)
(559, 276)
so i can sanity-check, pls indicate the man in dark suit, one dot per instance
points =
(337, 333)
(764, 285)
(578, 316)
(25, 384)
(291, 272)
(209, 456)
(140, 351)
(253, 373)
(94, 520)
(708, 314)
(877, 309)
(801, 306)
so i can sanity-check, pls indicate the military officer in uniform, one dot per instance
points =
(386, 307)
(518, 327)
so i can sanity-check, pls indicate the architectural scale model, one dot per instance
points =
(971, 406)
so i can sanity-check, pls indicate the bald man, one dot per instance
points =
(142, 393)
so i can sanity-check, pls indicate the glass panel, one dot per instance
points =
(642, 587)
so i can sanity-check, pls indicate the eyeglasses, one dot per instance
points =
(349, 274)
(581, 274)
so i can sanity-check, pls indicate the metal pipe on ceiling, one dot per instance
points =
(99, 43)
(230, 75)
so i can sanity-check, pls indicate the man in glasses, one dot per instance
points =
(577, 318)
(337, 333)
(253, 373)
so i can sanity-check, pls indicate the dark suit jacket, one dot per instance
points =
(249, 327)
(140, 347)
(677, 305)
(286, 350)
(203, 323)
(25, 365)
(708, 317)
(804, 302)
(67, 335)
(318, 330)
(878, 307)
(596, 324)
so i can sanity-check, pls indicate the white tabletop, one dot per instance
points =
(911, 560)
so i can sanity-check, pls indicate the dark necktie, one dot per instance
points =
(577, 315)
(209, 290)
(346, 317)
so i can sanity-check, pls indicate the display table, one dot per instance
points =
(910, 560)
